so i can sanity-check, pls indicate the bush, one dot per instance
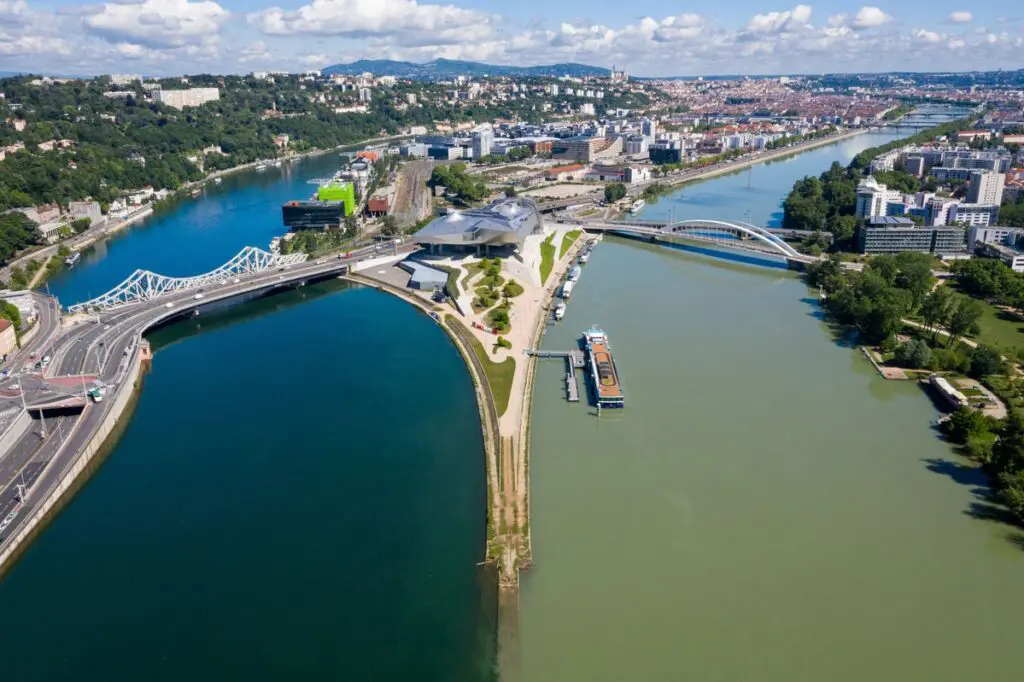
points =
(949, 360)
(512, 289)
(914, 354)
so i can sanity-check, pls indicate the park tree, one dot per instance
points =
(614, 191)
(986, 361)
(964, 318)
(965, 423)
(936, 308)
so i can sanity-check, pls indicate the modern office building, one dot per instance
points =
(329, 207)
(883, 234)
(505, 223)
(986, 188)
(665, 152)
(586, 149)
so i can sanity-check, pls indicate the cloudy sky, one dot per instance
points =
(648, 37)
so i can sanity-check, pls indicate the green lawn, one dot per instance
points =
(567, 241)
(499, 374)
(547, 258)
(1000, 329)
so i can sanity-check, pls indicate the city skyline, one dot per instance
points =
(657, 38)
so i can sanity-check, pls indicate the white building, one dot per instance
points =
(553, 89)
(365, 94)
(873, 198)
(483, 140)
(122, 79)
(986, 188)
(190, 97)
(992, 235)
(974, 214)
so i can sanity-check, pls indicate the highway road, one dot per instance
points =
(107, 344)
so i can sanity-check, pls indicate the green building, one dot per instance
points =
(344, 192)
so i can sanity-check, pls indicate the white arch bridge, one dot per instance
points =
(143, 285)
(730, 233)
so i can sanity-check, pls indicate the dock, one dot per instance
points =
(572, 387)
(574, 360)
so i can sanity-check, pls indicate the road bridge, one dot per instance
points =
(726, 233)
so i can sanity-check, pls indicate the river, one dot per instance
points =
(766, 507)
(300, 493)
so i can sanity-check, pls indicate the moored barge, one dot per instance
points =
(607, 388)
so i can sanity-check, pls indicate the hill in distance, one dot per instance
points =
(444, 69)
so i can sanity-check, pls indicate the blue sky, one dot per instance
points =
(648, 37)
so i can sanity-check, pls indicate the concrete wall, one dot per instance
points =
(15, 430)
(53, 496)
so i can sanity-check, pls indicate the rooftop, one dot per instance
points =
(507, 221)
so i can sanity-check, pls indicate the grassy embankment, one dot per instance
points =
(547, 258)
(567, 241)
(499, 374)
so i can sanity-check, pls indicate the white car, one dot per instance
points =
(235, 280)
(197, 296)
(168, 305)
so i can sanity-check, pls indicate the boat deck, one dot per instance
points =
(606, 377)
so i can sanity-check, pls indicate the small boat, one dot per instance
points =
(195, 193)
(72, 259)
(567, 289)
(277, 164)
(560, 311)
(574, 273)
(261, 167)
(584, 257)
(637, 206)
(217, 181)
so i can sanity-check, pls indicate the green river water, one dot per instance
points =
(766, 508)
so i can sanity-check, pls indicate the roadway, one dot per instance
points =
(106, 344)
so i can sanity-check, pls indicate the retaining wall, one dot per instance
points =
(54, 495)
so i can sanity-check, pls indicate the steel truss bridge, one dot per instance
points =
(143, 285)
(733, 234)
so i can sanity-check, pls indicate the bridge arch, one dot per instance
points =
(740, 229)
(143, 285)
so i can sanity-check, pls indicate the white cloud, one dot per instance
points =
(777, 22)
(158, 23)
(927, 36)
(961, 17)
(870, 17)
(315, 59)
(414, 23)
(24, 46)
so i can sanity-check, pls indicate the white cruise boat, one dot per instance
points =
(560, 311)
(637, 206)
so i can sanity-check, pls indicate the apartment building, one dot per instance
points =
(873, 198)
(189, 97)
(986, 188)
